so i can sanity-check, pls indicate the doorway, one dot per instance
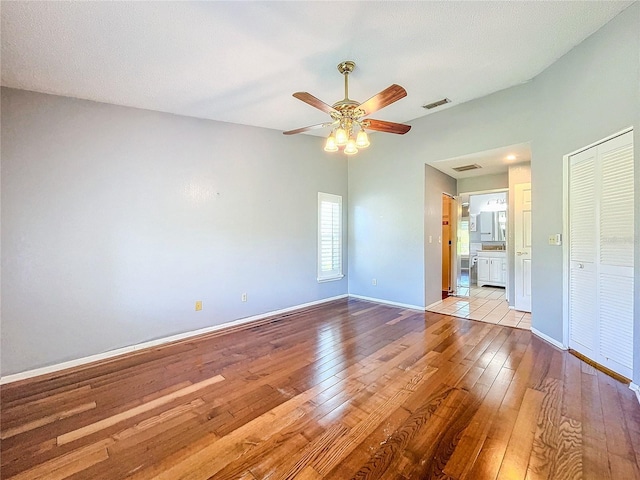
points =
(475, 259)
(481, 245)
(490, 171)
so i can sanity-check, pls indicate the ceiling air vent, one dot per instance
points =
(429, 106)
(465, 168)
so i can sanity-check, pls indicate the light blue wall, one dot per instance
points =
(435, 184)
(387, 192)
(588, 94)
(116, 220)
(483, 182)
(383, 201)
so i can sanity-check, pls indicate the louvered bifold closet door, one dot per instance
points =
(616, 259)
(582, 251)
(601, 244)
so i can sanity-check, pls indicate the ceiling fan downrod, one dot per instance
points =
(345, 68)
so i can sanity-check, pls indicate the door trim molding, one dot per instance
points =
(636, 390)
(565, 248)
(602, 140)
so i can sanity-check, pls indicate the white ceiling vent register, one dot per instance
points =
(429, 106)
(465, 168)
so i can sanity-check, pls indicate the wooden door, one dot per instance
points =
(446, 243)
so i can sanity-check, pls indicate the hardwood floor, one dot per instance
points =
(348, 389)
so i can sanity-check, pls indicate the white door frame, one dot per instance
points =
(455, 259)
(566, 230)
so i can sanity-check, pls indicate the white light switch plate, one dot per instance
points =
(555, 239)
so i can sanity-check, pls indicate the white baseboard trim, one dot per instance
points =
(154, 343)
(636, 389)
(388, 302)
(548, 339)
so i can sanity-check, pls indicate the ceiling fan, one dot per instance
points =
(347, 114)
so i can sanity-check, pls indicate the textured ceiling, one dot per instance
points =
(241, 61)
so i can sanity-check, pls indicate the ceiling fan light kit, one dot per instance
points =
(362, 141)
(331, 145)
(348, 123)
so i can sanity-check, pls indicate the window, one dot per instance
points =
(329, 237)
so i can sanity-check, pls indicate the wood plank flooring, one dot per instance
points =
(345, 390)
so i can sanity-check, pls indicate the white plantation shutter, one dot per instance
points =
(329, 237)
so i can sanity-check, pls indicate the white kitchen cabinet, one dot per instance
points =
(492, 268)
(483, 270)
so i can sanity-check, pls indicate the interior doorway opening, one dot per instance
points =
(481, 244)
(500, 170)
(475, 230)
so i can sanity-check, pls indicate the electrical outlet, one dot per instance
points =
(198, 305)
(374, 282)
(244, 297)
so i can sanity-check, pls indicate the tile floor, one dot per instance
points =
(486, 304)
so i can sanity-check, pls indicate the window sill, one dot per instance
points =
(330, 279)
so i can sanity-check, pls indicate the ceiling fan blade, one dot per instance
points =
(388, 127)
(385, 97)
(304, 129)
(315, 102)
